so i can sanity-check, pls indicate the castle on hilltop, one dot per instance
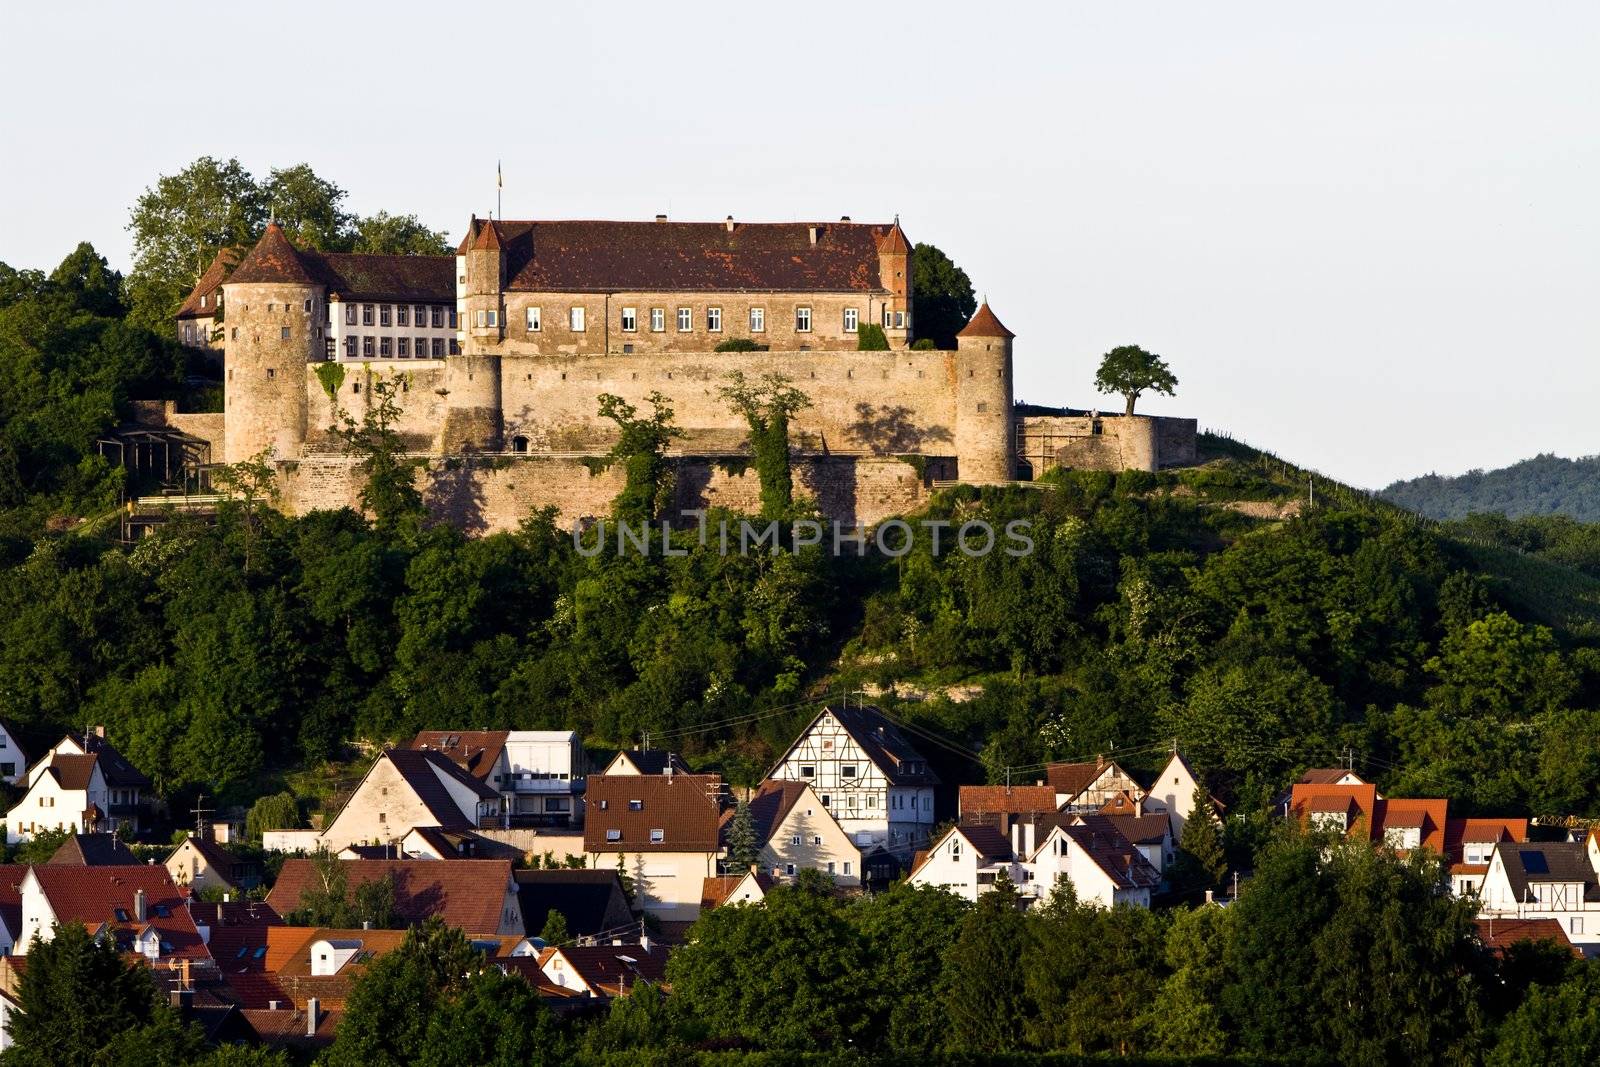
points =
(498, 355)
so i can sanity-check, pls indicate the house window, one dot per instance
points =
(794, 839)
(658, 320)
(438, 347)
(575, 319)
(383, 348)
(635, 805)
(422, 347)
(847, 867)
(283, 334)
(402, 347)
(436, 317)
(350, 347)
(714, 320)
(630, 320)
(808, 772)
(366, 347)
(483, 317)
(402, 315)
(685, 320)
(1577, 924)
(271, 373)
(816, 839)
(383, 816)
(657, 836)
(613, 835)
(366, 314)
(848, 770)
(758, 320)
(826, 800)
(899, 319)
(851, 320)
(350, 315)
(604, 804)
(420, 315)
(802, 320)
(455, 347)
(788, 868)
(331, 348)
(7, 770)
(494, 317)
(383, 314)
(533, 319)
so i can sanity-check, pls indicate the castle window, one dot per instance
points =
(483, 317)
(494, 317)
(802, 320)
(714, 320)
(575, 319)
(350, 315)
(658, 320)
(188, 333)
(436, 317)
(236, 333)
(455, 347)
(851, 320)
(355, 388)
(366, 314)
(402, 347)
(384, 315)
(283, 334)
(350, 347)
(383, 347)
(421, 314)
(630, 320)
(422, 347)
(271, 373)
(685, 320)
(519, 444)
(899, 319)
(331, 349)
(307, 307)
(402, 314)
(982, 407)
(534, 320)
(758, 320)
(366, 347)
(438, 346)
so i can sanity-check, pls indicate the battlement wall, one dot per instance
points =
(1105, 442)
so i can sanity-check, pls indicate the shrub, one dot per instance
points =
(739, 344)
(870, 338)
(924, 344)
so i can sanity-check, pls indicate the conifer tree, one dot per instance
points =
(743, 848)
(1200, 844)
(984, 995)
(555, 928)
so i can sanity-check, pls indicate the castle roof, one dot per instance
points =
(894, 241)
(206, 288)
(273, 259)
(605, 256)
(984, 324)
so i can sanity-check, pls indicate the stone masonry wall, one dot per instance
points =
(1105, 442)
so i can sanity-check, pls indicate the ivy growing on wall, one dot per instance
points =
(331, 375)
(641, 449)
(767, 406)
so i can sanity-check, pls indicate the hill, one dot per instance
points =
(1543, 485)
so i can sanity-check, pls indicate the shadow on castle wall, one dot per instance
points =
(891, 429)
(454, 493)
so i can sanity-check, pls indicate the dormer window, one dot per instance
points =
(613, 835)
(657, 836)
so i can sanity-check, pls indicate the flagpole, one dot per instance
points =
(499, 184)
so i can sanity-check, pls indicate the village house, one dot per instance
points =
(646, 761)
(539, 774)
(1103, 867)
(865, 772)
(408, 788)
(83, 785)
(137, 908)
(200, 863)
(967, 861)
(746, 887)
(661, 831)
(477, 896)
(1173, 792)
(13, 761)
(93, 850)
(797, 833)
(11, 875)
(604, 970)
(1545, 880)
(1088, 786)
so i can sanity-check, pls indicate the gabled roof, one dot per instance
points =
(1006, 799)
(1151, 829)
(467, 894)
(772, 804)
(1542, 862)
(652, 760)
(1498, 935)
(11, 875)
(289, 952)
(608, 256)
(611, 969)
(687, 807)
(984, 324)
(1071, 779)
(218, 858)
(1113, 853)
(988, 845)
(347, 275)
(475, 751)
(93, 850)
(585, 898)
(880, 740)
(114, 766)
(273, 259)
(71, 772)
(425, 772)
(1460, 832)
(1358, 802)
(455, 845)
(208, 284)
(93, 895)
(714, 892)
(1424, 814)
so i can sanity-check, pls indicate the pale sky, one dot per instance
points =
(1365, 235)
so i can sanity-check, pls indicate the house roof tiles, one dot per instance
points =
(475, 751)
(985, 324)
(104, 897)
(1006, 799)
(467, 894)
(624, 810)
(93, 850)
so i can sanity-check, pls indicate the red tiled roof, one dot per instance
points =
(1304, 799)
(287, 1026)
(273, 259)
(686, 806)
(772, 804)
(611, 968)
(1324, 775)
(475, 751)
(714, 892)
(347, 275)
(1113, 853)
(1070, 779)
(984, 324)
(208, 285)
(1460, 832)
(1006, 799)
(599, 256)
(93, 850)
(1426, 814)
(11, 875)
(92, 895)
(1142, 829)
(468, 894)
(894, 242)
(1500, 934)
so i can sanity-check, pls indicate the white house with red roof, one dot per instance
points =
(1088, 786)
(408, 788)
(1103, 867)
(968, 860)
(538, 773)
(83, 785)
(798, 833)
(138, 908)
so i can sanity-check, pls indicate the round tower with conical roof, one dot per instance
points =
(274, 327)
(985, 422)
(474, 420)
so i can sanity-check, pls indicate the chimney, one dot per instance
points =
(844, 218)
(272, 1005)
(311, 1016)
(661, 218)
(182, 1001)
(728, 225)
(812, 230)
(139, 907)
(1211, 896)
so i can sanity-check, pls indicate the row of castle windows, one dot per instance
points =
(397, 348)
(628, 320)
(434, 315)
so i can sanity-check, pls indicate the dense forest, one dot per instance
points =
(1543, 485)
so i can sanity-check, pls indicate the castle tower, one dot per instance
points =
(273, 329)
(473, 418)
(894, 273)
(985, 421)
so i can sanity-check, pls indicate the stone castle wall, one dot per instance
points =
(1105, 442)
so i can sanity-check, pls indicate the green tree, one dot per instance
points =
(389, 492)
(76, 995)
(1132, 372)
(492, 1019)
(743, 846)
(276, 811)
(1091, 977)
(179, 224)
(983, 978)
(1555, 1024)
(767, 407)
(399, 235)
(941, 296)
(555, 928)
(641, 449)
(870, 338)
(40, 846)
(1200, 854)
(373, 905)
(248, 484)
(644, 1019)
(308, 207)
(324, 900)
(909, 931)
(1186, 1016)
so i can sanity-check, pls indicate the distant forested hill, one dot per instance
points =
(1543, 485)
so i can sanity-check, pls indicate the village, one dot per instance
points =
(582, 880)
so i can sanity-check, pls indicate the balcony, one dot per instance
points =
(556, 786)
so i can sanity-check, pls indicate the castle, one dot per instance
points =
(498, 355)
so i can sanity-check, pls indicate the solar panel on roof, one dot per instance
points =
(1535, 863)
